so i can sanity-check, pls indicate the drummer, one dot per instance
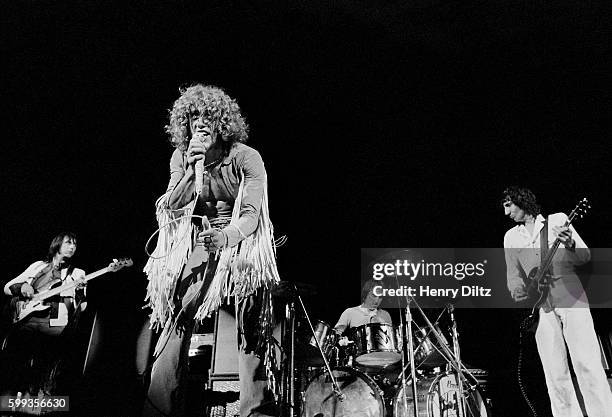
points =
(365, 313)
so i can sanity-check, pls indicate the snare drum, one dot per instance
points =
(375, 345)
(361, 396)
(438, 397)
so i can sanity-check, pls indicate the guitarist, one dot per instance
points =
(36, 340)
(564, 316)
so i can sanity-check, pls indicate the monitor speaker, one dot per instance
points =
(225, 346)
(223, 396)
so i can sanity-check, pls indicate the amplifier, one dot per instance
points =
(225, 345)
(223, 395)
(482, 377)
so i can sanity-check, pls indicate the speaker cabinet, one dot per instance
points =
(224, 393)
(225, 346)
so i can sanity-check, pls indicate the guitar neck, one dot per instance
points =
(55, 291)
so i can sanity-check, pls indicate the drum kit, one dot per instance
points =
(376, 370)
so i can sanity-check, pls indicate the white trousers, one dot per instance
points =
(574, 326)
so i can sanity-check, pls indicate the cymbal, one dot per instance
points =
(289, 289)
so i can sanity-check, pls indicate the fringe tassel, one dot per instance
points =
(163, 269)
(245, 267)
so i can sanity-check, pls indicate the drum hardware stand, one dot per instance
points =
(288, 408)
(408, 338)
(335, 386)
(447, 353)
(425, 336)
(411, 361)
(451, 357)
(289, 380)
(457, 357)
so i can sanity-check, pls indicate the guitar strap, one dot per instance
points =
(55, 305)
(543, 252)
(43, 277)
(69, 272)
(543, 242)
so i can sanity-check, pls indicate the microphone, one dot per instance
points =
(199, 166)
(199, 176)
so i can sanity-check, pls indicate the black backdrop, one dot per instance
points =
(381, 124)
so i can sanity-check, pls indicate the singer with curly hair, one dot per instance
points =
(215, 243)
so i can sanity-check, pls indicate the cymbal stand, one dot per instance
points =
(415, 397)
(411, 362)
(457, 357)
(335, 386)
(447, 353)
(420, 342)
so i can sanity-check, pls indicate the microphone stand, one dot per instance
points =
(412, 367)
(458, 364)
(335, 386)
(288, 395)
(446, 352)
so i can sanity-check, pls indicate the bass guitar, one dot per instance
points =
(539, 278)
(24, 308)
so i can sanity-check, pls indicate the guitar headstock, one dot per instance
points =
(117, 264)
(580, 210)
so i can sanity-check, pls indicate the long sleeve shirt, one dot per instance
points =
(221, 184)
(522, 252)
(37, 269)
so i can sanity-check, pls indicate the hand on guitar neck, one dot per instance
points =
(564, 235)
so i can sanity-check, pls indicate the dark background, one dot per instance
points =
(381, 124)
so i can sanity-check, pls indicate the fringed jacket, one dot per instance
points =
(236, 187)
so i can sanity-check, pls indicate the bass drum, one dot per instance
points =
(439, 397)
(362, 397)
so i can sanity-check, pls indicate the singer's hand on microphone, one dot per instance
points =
(198, 145)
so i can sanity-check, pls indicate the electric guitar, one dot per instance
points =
(24, 308)
(539, 278)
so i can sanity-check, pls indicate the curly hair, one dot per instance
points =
(212, 102)
(523, 198)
